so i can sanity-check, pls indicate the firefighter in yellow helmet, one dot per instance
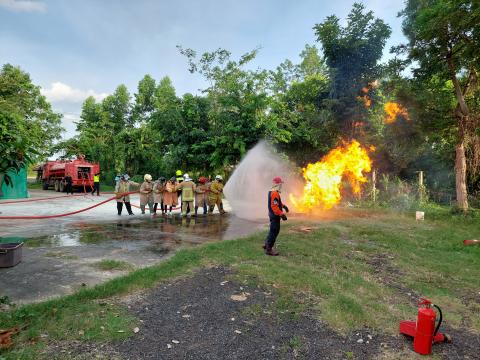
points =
(215, 195)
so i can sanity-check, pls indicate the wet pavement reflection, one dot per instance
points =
(63, 258)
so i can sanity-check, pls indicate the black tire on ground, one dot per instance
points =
(45, 185)
(57, 185)
(62, 186)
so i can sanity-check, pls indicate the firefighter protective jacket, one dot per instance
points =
(275, 205)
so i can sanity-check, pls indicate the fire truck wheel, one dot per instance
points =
(45, 186)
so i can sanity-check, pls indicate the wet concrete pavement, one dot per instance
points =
(59, 254)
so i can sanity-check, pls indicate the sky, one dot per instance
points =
(77, 48)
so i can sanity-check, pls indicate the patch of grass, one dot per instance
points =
(34, 185)
(65, 320)
(329, 269)
(91, 237)
(295, 342)
(111, 264)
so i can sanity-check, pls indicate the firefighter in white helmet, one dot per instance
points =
(146, 193)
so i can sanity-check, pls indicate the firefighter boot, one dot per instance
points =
(271, 252)
(220, 207)
(142, 207)
(196, 211)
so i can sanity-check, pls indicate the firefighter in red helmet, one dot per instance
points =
(275, 213)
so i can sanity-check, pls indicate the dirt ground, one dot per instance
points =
(196, 318)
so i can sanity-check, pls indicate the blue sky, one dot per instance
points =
(76, 48)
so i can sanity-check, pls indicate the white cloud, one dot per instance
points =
(24, 5)
(60, 92)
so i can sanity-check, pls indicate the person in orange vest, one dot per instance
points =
(170, 197)
(275, 213)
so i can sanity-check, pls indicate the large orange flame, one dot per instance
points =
(393, 109)
(324, 178)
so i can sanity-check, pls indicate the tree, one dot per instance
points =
(144, 99)
(28, 126)
(352, 54)
(444, 40)
(298, 120)
(238, 102)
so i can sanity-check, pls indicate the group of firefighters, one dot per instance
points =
(202, 194)
(169, 193)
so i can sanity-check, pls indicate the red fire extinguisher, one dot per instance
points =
(424, 331)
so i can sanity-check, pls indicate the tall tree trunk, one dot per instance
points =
(461, 176)
(462, 113)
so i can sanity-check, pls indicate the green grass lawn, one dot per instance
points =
(111, 265)
(356, 268)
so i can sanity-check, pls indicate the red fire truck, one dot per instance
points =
(53, 173)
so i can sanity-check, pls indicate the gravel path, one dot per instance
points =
(196, 318)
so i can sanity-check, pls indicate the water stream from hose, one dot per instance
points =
(247, 188)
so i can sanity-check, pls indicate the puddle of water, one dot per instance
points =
(158, 235)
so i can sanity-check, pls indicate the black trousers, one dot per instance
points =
(68, 188)
(96, 187)
(120, 207)
(274, 231)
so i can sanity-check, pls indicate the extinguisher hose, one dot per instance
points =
(439, 320)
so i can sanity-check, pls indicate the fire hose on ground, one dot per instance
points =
(41, 199)
(34, 217)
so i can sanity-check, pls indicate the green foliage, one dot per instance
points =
(28, 126)
(352, 53)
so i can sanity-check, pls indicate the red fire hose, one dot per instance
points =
(65, 214)
(41, 199)
(62, 215)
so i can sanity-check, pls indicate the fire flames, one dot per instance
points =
(324, 178)
(365, 98)
(393, 110)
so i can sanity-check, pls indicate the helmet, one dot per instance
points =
(173, 178)
(161, 178)
(126, 177)
(179, 173)
(219, 177)
(202, 180)
(186, 177)
(277, 180)
(147, 177)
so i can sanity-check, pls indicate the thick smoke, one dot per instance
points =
(247, 188)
